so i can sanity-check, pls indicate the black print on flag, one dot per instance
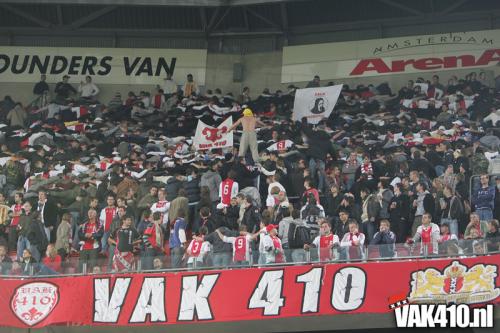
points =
(319, 106)
(315, 103)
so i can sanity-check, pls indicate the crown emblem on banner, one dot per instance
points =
(455, 284)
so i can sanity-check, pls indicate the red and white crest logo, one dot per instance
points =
(213, 134)
(33, 302)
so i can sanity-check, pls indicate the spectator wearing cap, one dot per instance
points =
(274, 252)
(64, 90)
(445, 238)
(483, 199)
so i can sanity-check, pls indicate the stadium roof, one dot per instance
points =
(207, 18)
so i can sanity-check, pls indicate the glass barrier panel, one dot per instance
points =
(84, 262)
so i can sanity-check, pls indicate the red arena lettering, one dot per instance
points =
(424, 64)
(428, 63)
(367, 65)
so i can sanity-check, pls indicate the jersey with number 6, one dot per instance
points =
(228, 189)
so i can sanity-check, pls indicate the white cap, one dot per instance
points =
(458, 122)
(442, 128)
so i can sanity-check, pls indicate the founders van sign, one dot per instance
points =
(392, 56)
(109, 65)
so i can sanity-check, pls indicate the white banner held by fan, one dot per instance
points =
(315, 103)
(208, 137)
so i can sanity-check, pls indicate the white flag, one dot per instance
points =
(315, 103)
(208, 137)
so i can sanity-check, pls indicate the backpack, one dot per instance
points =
(298, 235)
(311, 214)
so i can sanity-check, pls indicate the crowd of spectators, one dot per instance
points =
(111, 185)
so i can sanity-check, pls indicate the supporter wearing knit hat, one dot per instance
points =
(247, 112)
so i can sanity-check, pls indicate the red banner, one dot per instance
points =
(244, 294)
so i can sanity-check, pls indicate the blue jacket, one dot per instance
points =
(174, 233)
(385, 242)
(484, 198)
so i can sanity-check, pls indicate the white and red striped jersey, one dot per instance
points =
(282, 145)
(106, 217)
(228, 189)
(161, 206)
(447, 237)
(197, 249)
(324, 245)
(241, 247)
(80, 111)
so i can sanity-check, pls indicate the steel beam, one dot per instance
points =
(92, 16)
(263, 18)
(60, 19)
(171, 3)
(402, 7)
(453, 7)
(28, 16)
(203, 18)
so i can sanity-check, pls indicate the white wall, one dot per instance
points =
(261, 70)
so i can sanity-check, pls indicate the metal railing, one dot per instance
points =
(287, 257)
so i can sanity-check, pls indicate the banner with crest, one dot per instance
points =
(208, 137)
